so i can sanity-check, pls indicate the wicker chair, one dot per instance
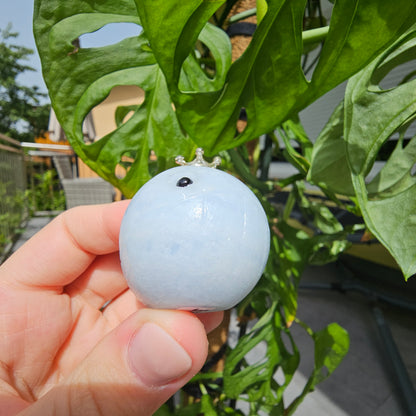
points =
(81, 191)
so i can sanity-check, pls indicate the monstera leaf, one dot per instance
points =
(267, 81)
(345, 152)
(79, 79)
(372, 115)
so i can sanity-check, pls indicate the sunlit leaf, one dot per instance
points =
(79, 79)
(267, 81)
(331, 346)
(329, 166)
(257, 379)
(372, 115)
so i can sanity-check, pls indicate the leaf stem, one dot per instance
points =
(291, 201)
(244, 171)
(243, 15)
(308, 36)
(315, 35)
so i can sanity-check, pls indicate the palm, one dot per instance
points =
(69, 319)
(51, 315)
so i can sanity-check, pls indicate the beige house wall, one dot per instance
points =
(103, 116)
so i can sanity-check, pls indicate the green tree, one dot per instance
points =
(22, 115)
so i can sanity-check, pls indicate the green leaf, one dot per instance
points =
(122, 111)
(282, 272)
(329, 164)
(198, 110)
(163, 411)
(173, 28)
(331, 346)
(256, 379)
(359, 30)
(267, 81)
(207, 405)
(384, 111)
(395, 231)
(328, 247)
(291, 131)
(193, 77)
(372, 115)
(396, 175)
(290, 251)
(322, 217)
(80, 79)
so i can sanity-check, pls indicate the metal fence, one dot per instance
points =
(12, 188)
(29, 185)
(45, 193)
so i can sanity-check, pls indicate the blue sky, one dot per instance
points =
(20, 12)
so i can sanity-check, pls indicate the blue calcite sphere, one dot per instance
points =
(193, 238)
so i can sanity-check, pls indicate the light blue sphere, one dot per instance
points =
(194, 238)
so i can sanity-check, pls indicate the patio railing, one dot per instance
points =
(32, 183)
(45, 194)
(12, 189)
(28, 185)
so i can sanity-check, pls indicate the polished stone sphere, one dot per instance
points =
(194, 238)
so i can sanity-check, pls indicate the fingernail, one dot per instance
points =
(156, 357)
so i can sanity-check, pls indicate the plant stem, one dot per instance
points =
(244, 171)
(308, 36)
(291, 201)
(243, 15)
(315, 35)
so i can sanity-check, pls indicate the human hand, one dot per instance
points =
(60, 353)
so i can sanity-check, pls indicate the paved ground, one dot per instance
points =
(365, 383)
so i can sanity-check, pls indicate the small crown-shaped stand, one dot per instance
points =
(199, 160)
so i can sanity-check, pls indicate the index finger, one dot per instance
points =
(62, 250)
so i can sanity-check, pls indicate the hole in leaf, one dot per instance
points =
(199, 70)
(395, 160)
(88, 129)
(279, 376)
(257, 355)
(317, 14)
(240, 27)
(109, 35)
(242, 121)
(408, 131)
(126, 160)
(397, 68)
(117, 108)
(399, 75)
(120, 171)
(206, 59)
(154, 163)
(206, 67)
(123, 113)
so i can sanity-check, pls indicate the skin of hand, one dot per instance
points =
(61, 353)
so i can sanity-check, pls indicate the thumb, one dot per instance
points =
(134, 369)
